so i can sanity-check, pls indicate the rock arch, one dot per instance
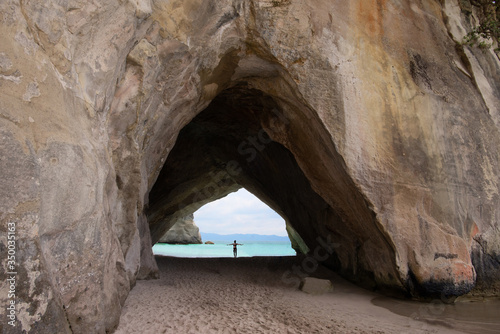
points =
(239, 140)
(388, 127)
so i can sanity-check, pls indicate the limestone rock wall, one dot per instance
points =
(184, 231)
(380, 132)
(59, 65)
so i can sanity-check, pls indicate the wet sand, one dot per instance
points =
(467, 316)
(249, 295)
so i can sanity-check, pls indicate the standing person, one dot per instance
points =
(235, 249)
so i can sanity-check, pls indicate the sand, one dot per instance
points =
(249, 295)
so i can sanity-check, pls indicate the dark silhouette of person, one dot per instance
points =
(235, 249)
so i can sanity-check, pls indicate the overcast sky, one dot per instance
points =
(239, 212)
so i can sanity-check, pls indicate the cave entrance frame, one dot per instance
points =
(259, 134)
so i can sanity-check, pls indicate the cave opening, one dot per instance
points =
(240, 212)
(225, 148)
(239, 216)
(272, 146)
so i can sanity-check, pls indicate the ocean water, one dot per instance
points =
(220, 249)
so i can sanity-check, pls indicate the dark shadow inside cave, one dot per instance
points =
(225, 148)
(245, 138)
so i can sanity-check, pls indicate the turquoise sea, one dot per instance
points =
(220, 249)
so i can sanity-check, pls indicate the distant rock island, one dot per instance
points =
(184, 231)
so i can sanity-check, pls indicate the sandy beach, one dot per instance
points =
(249, 295)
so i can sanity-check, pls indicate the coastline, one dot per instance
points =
(221, 249)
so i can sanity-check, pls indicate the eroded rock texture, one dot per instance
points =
(363, 123)
(184, 231)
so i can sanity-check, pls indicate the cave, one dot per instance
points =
(369, 126)
(249, 138)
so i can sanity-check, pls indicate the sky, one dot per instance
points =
(239, 212)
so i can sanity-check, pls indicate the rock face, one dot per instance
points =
(184, 231)
(315, 286)
(363, 123)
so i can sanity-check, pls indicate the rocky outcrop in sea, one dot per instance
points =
(184, 231)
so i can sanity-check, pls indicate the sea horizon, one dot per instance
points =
(248, 237)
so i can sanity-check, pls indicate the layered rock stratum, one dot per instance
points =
(184, 231)
(365, 124)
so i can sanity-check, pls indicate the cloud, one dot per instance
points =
(239, 212)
